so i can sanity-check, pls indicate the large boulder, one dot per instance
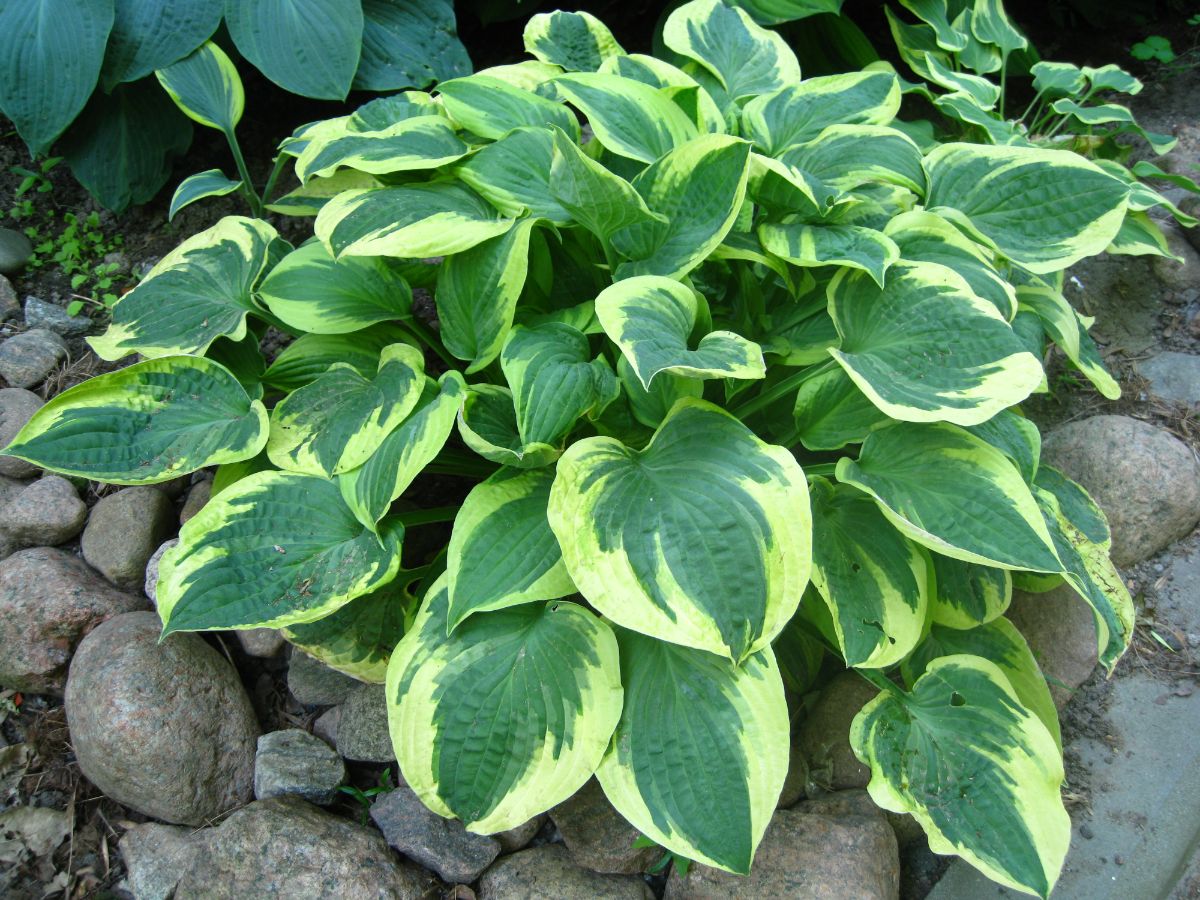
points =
(17, 407)
(547, 871)
(444, 845)
(1146, 480)
(824, 736)
(598, 837)
(1061, 631)
(124, 531)
(164, 728)
(50, 599)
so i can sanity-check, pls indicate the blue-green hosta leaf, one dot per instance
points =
(370, 489)
(300, 362)
(424, 142)
(954, 493)
(502, 551)
(488, 425)
(514, 174)
(1017, 437)
(311, 291)
(798, 113)
(1112, 77)
(414, 221)
(50, 57)
(384, 112)
(477, 293)
(698, 188)
(209, 183)
(745, 58)
(307, 199)
(968, 594)
(989, 23)
(206, 86)
(651, 319)
(576, 41)
(853, 246)
(661, 74)
(832, 412)
(147, 35)
(935, 14)
(977, 89)
(974, 766)
(409, 43)
(630, 118)
(847, 156)
(144, 424)
(243, 359)
(507, 716)
(998, 131)
(701, 539)
(336, 422)
(307, 47)
(925, 348)
(529, 75)
(1140, 236)
(1068, 329)
(701, 751)
(872, 578)
(491, 108)
(198, 292)
(776, 12)
(1057, 79)
(1044, 209)
(785, 190)
(650, 406)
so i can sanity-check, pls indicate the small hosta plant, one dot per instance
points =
(735, 371)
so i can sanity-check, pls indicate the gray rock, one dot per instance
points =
(808, 851)
(547, 871)
(27, 358)
(164, 728)
(199, 495)
(362, 733)
(518, 838)
(1146, 480)
(1173, 376)
(45, 514)
(15, 251)
(123, 532)
(287, 849)
(443, 845)
(52, 317)
(296, 762)
(326, 725)
(49, 600)
(150, 582)
(17, 407)
(260, 642)
(156, 856)
(10, 307)
(1061, 632)
(1191, 206)
(795, 786)
(597, 836)
(824, 737)
(315, 684)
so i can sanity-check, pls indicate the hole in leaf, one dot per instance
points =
(957, 699)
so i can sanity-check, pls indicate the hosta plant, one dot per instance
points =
(735, 373)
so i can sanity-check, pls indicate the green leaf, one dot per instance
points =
(477, 293)
(872, 578)
(300, 362)
(273, 549)
(383, 112)
(311, 291)
(307, 47)
(745, 58)
(409, 43)
(701, 751)
(659, 74)
(209, 183)
(715, 562)
(205, 85)
(1043, 209)
(491, 108)
(1056, 79)
(146, 423)
(514, 174)
(1112, 77)
(148, 35)
(832, 412)
(336, 422)
(502, 552)
(414, 221)
(507, 716)
(847, 156)
(488, 425)
(1069, 331)
(936, 15)
(576, 41)
(651, 319)
(979, 771)
(968, 594)
(925, 348)
(852, 246)
(989, 23)
(650, 406)
(198, 292)
(308, 199)
(50, 57)
(954, 493)
(1017, 437)
(416, 144)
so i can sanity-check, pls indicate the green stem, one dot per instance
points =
(879, 680)
(1032, 103)
(432, 516)
(1003, 82)
(782, 389)
(822, 470)
(276, 171)
(427, 336)
(247, 185)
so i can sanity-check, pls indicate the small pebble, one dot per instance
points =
(1119, 859)
(1085, 831)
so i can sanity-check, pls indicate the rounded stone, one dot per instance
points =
(1174, 377)
(17, 407)
(1060, 629)
(444, 845)
(824, 737)
(259, 642)
(27, 358)
(197, 497)
(547, 871)
(165, 729)
(15, 251)
(45, 514)
(1146, 480)
(150, 584)
(518, 838)
(597, 836)
(123, 532)
(315, 684)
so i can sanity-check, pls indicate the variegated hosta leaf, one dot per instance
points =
(336, 422)
(209, 183)
(370, 489)
(412, 221)
(502, 552)
(651, 320)
(1017, 437)
(832, 412)
(847, 156)
(650, 406)
(491, 108)
(310, 355)
(477, 294)
(312, 292)
(198, 292)
(745, 58)
(146, 423)
(852, 246)
(488, 425)
(660, 74)
(358, 639)
(936, 15)
(273, 549)
(701, 539)
(979, 771)
(307, 199)
(991, 25)
(797, 113)
(384, 112)
(507, 716)
(514, 174)
(424, 142)
(1068, 329)
(873, 578)
(1043, 209)
(699, 188)
(701, 752)
(800, 654)
(968, 594)
(205, 85)
(577, 41)
(925, 348)
(954, 493)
